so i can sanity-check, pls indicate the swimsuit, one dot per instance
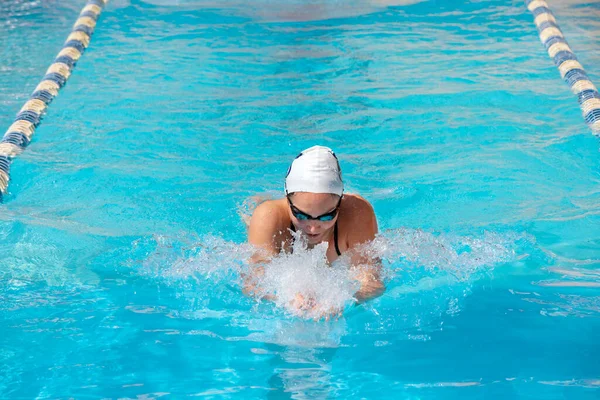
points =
(335, 237)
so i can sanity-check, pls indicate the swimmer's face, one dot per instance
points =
(315, 205)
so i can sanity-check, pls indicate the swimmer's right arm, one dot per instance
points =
(261, 234)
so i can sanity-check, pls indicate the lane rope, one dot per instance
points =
(565, 60)
(19, 134)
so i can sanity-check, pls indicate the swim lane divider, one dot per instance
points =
(565, 60)
(19, 134)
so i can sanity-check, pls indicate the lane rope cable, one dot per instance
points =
(565, 60)
(19, 134)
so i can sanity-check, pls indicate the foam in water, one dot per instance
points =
(305, 285)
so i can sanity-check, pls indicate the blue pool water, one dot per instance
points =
(122, 236)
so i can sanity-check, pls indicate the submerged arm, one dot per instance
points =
(371, 285)
(261, 234)
(366, 266)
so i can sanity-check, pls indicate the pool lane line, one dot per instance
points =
(565, 60)
(19, 134)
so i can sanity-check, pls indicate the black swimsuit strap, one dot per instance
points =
(335, 239)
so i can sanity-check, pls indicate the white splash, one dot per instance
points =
(302, 283)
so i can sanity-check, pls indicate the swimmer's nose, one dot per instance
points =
(312, 228)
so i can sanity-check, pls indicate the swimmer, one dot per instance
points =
(316, 207)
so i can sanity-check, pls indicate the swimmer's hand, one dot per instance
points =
(371, 285)
(307, 305)
(302, 303)
(250, 284)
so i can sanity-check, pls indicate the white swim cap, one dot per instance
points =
(315, 170)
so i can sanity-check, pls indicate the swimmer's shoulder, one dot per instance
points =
(359, 223)
(355, 207)
(270, 217)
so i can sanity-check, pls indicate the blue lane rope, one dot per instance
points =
(19, 134)
(565, 60)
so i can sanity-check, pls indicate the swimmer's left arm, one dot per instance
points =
(371, 285)
(367, 267)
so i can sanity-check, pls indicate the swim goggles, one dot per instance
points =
(302, 216)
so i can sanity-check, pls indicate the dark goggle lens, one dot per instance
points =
(327, 217)
(300, 216)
